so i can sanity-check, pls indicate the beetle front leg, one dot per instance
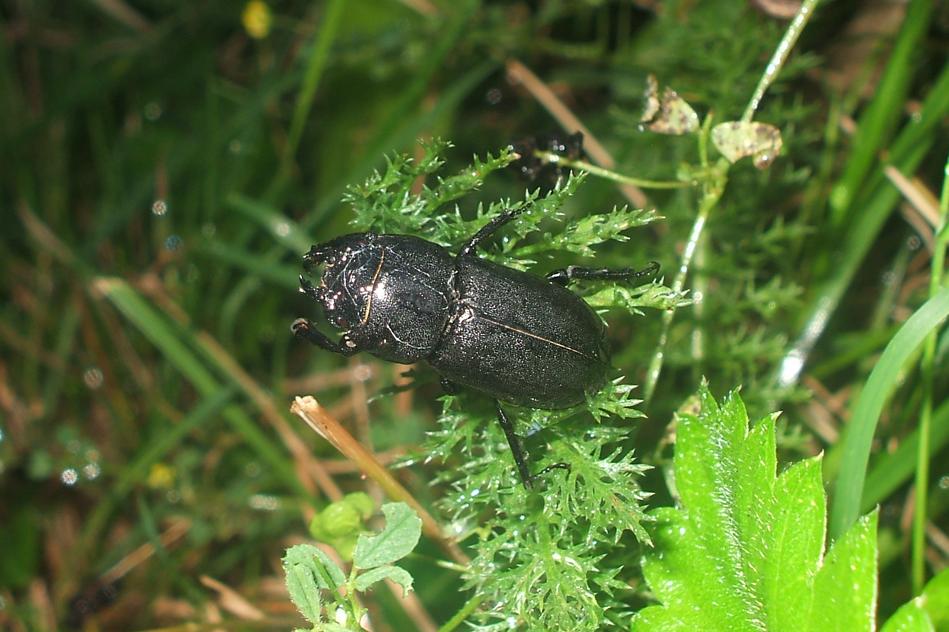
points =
(302, 328)
(567, 275)
(311, 290)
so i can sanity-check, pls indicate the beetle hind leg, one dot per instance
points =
(565, 276)
(520, 457)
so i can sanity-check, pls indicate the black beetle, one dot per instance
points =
(517, 337)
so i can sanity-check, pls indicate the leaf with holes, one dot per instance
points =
(402, 531)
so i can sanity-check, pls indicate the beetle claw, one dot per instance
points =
(299, 327)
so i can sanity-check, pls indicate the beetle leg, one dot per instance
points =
(489, 229)
(520, 457)
(555, 466)
(311, 290)
(516, 449)
(565, 276)
(302, 328)
(448, 386)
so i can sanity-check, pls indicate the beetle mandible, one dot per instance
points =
(514, 336)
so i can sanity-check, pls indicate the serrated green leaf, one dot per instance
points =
(396, 574)
(925, 613)
(846, 584)
(743, 550)
(397, 539)
(800, 518)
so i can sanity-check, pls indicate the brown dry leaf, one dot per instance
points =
(232, 601)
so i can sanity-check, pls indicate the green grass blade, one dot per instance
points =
(287, 232)
(880, 198)
(314, 70)
(885, 109)
(279, 274)
(155, 450)
(172, 343)
(848, 490)
(893, 469)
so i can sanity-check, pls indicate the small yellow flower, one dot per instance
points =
(256, 19)
(161, 476)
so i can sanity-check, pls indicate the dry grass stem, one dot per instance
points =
(317, 418)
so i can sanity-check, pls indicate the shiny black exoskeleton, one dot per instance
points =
(514, 336)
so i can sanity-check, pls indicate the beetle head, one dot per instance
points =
(351, 265)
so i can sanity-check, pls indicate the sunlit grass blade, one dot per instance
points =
(848, 490)
(876, 201)
(283, 229)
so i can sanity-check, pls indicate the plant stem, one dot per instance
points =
(926, 413)
(780, 56)
(314, 70)
(712, 189)
(462, 614)
(610, 175)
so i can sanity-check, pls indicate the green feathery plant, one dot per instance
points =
(542, 560)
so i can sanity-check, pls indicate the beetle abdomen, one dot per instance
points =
(521, 338)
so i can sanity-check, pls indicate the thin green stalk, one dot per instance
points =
(883, 112)
(712, 193)
(926, 414)
(607, 174)
(712, 186)
(780, 56)
(462, 614)
(314, 70)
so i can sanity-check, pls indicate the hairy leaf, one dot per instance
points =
(308, 569)
(744, 548)
(397, 539)
(396, 574)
